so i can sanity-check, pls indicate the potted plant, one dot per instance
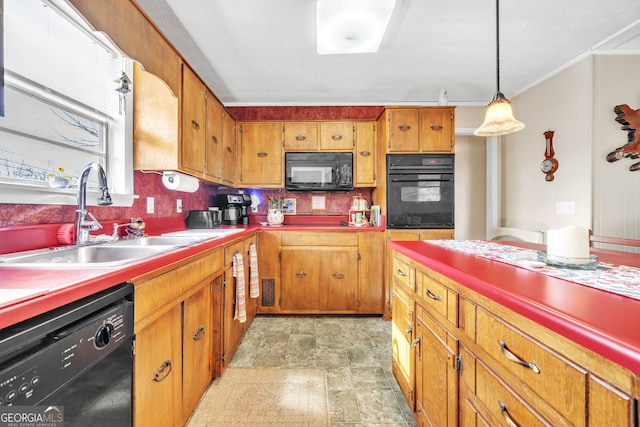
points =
(58, 179)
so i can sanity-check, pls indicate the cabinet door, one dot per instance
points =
(339, 279)
(371, 292)
(214, 144)
(233, 329)
(403, 130)
(364, 158)
(217, 325)
(300, 136)
(157, 372)
(609, 406)
(196, 348)
(193, 122)
(402, 334)
(436, 376)
(261, 154)
(436, 130)
(300, 278)
(230, 153)
(337, 136)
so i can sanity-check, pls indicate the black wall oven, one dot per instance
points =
(420, 191)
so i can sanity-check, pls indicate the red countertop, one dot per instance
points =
(601, 321)
(40, 289)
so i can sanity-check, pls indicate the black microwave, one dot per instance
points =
(318, 171)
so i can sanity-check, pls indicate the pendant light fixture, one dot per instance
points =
(499, 118)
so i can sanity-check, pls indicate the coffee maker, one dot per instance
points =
(234, 208)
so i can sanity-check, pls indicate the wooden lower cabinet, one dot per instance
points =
(321, 272)
(175, 335)
(462, 359)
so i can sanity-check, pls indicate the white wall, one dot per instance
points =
(577, 103)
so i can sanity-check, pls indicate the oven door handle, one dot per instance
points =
(420, 180)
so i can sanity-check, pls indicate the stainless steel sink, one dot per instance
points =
(99, 255)
(157, 241)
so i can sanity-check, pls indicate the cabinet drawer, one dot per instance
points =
(555, 379)
(434, 294)
(501, 403)
(404, 274)
(230, 250)
(320, 239)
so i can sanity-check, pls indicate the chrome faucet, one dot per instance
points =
(85, 221)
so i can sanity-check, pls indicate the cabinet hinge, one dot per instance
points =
(280, 256)
(358, 304)
(133, 347)
(223, 357)
(359, 256)
(240, 128)
(458, 364)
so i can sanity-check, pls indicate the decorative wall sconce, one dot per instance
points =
(630, 121)
(123, 90)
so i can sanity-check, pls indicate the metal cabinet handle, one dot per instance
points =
(195, 125)
(433, 296)
(336, 137)
(300, 137)
(407, 332)
(401, 273)
(262, 154)
(515, 359)
(365, 153)
(505, 415)
(166, 365)
(214, 139)
(199, 333)
(404, 127)
(436, 127)
(301, 274)
(337, 275)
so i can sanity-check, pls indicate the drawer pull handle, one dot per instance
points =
(166, 365)
(404, 127)
(199, 333)
(365, 153)
(436, 127)
(229, 149)
(300, 137)
(433, 296)
(301, 274)
(407, 333)
(262, 154)
(401, 273)
(337, 275)
(214, 139)
(516, 359)
(506, 416)
(336, 137)
(195, 125)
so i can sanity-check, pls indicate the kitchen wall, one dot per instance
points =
(146, 185)
(577, 103)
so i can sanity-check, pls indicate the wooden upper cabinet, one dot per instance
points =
(437, 130)
(364, 157)
(301, 136)
(214, 144)
(337, 135)
(193, 122)
(230, 153)
(261, 154)
(403, 130)
(420, 130)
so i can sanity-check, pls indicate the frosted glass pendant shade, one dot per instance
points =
(499, 118)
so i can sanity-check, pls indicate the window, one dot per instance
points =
(62, 110)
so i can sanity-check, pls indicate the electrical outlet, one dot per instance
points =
(254, 209)
(150, 205)
(565, 208)
(179, 205)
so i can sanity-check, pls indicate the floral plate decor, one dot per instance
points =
(58, 179)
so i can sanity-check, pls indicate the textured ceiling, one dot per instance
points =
(263, 52)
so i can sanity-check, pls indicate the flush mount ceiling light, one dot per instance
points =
(351, 26)
(499, 118)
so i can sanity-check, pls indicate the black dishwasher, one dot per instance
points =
(71, 366)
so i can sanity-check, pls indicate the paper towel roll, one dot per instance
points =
(180, 182)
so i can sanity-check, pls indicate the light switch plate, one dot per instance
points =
(150, 205)
(565, 208)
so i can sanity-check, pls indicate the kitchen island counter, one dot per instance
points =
(603, 322)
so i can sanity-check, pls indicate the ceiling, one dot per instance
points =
(259, 53)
